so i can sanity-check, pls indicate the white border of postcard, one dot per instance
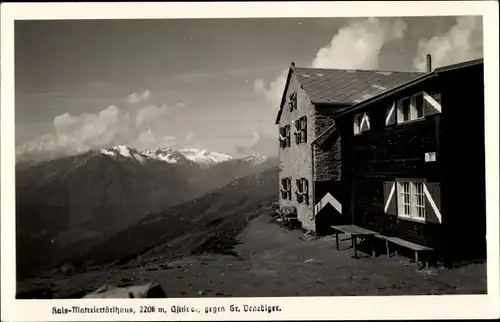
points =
(292, 308)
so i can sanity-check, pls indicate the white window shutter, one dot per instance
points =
(390, 197)
(365, 122)
(432, 192)
(390, 115)
(432, 104)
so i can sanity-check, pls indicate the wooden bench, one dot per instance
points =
(407, 244)
(289, 220)
(355, 232)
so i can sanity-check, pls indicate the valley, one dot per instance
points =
(68, 206)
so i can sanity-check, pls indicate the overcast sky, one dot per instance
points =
(207, 83)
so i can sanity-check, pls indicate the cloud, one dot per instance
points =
(358, 45)
(462, 42)
(135, 98)
(141, 125)
(189, 137)
(355, 46)
(274, 90)
(148, 139)
(151, 113)
(259, 142)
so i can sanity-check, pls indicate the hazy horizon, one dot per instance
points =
(200, 83)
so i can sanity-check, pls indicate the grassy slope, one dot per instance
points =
(198, 225)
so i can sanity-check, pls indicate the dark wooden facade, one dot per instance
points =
(454, 182)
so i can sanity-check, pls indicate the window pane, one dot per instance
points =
(420, 201)
(405, 198)
(406, 109)
(419, 102)
(356, 124)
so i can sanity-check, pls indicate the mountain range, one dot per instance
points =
(67, 206)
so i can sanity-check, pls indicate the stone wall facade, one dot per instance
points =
(327, 151)
(296, 160)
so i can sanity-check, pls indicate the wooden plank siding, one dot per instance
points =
(387, 152)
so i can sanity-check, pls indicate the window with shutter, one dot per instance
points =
(415, 199)
(287, 136)
(416, 106)
(304, 129)
(297, 131)
(300, 130)
(282, 137)
(286, 188)
(283, 188)
(292, 101)
(298, 191)
(302, 190)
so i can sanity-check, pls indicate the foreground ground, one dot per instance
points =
(273, 261)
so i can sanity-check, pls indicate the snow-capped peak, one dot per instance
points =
(166, 155)
(204, 157)
(124, 151)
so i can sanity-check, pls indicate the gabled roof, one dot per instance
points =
(342, 87)
(459, 65)
(411, 83)
(401, 87)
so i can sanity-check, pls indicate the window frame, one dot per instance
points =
(416, 210)
(358, 122)
(412, 108)
(292, 101)
(302, 192)
(286, 191)
(287, 136)
(301, 130)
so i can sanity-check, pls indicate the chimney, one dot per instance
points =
(428, 63)
(292, 64)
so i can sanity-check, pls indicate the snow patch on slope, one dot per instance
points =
(256, 159)
(165, 155)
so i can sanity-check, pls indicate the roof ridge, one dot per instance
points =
(361, 70)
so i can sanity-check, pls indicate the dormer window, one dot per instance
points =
(361, 123)
(292, 101)
(411, 108)
(414, 107)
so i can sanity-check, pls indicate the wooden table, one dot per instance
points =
(355, 232)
